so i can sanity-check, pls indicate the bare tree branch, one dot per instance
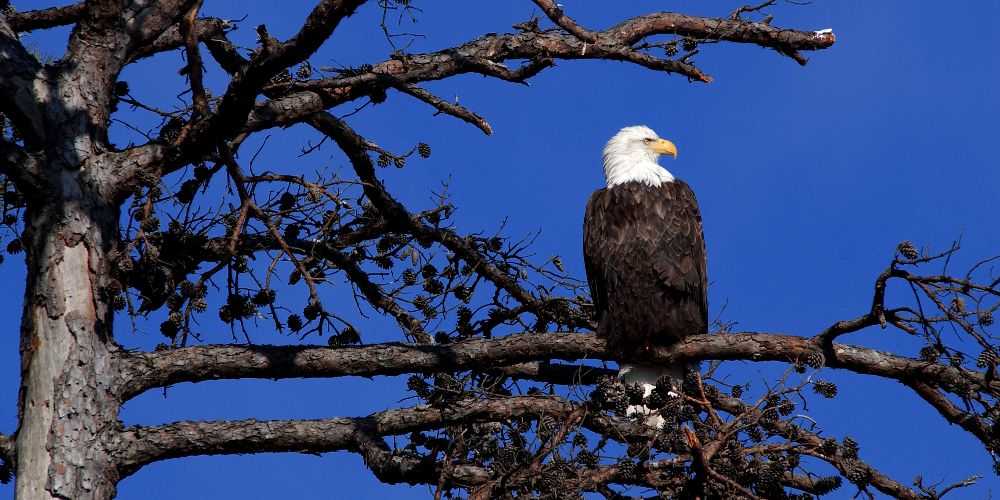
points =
(410, 325)
(148, 21)
(22, 168)
(356, 148)
(51, 17)
(238, 100)
(447, 108)
(298, 101)
(139, 446)
(966, 420)
(557, 16)
(194, 68)
(18, 72)
(205, 30)
(486, 55)
(194, 364)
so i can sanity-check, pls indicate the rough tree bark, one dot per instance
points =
(74, 185)
(67, 406)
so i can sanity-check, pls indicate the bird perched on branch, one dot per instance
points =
(644, 252)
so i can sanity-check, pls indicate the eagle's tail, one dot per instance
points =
(647, 376)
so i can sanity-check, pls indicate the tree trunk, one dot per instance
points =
(67, 406)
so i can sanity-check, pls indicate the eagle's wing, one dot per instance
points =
(594, 225)
(677, 253)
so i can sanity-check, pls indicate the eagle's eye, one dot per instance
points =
(647, 140)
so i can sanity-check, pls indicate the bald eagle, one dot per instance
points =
(644, 252)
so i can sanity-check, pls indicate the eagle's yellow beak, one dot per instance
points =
(664, 147)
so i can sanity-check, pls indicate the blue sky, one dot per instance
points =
(807, 179)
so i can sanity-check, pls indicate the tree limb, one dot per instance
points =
(195, 364)
(298, 101)
(30, 20)
(966, 420)
(486, 55)
(843, 464)
(239, 98)
(18, 72)
(356, 148)
(556, 14)
(21, 168)
(205, 29)
(447, 108)
(139, 446)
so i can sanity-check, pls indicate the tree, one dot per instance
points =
(139, 231)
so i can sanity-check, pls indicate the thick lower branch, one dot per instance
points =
(195, 364)
(140, 446)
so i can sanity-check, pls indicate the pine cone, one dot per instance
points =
(420, 302)
(858, 474)
(986, 359)
(433, 286)
(627, 469)
(199, 304)
(850, 448)
(826, 389)
(294, 322)
(462, 293)
(264, 296)
(282, 77)
(428, 271)
(815, 359)
(829, 447)
(383, 262)
(464, 315)
(587, 459)
(929, 353)
(908, 250)
(986, 318)
(312, 311)
(286, 202)
(169, 329)
(634, 394)
(409, 277)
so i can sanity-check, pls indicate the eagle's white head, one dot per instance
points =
(631, 155)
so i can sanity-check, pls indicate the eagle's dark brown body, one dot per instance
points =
(645, 255)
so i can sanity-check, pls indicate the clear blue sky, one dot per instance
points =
(807, 178)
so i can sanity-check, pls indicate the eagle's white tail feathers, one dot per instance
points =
(647, 376)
